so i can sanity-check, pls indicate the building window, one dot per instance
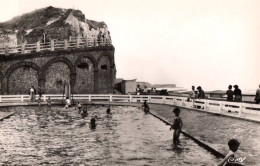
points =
(83, 66)
(104, 67)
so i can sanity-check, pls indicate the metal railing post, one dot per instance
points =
(205, 105)
(149, 98)
(23, 48)
(38, 49)
(6, 50)
(130, 98)
(95, 42)
(174, 100)
(182, 101)
(240, 109)
(89, 97)
(86, 42)
(110, 98)
(65, 44)
(77, 42)
(220, 107)
(52, 45)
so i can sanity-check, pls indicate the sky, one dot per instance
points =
(204, 43)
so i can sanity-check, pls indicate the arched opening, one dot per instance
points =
(85, 76)
(56, 75)
(21, 79)
(104, 75)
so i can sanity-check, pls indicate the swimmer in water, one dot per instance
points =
(49, 101)
(68, 102)
(79, 105)
(92, 123)
(108, 110)
(84, 112)
(146, 107)
(177, 126)
(230, 159)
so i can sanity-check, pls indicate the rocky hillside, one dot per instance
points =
(50, 23)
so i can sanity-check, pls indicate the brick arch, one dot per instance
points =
(90, 57)
(58, 59)
(110, 57)
(68, 63)
(11, 69)
(22, 64)
(86, 81)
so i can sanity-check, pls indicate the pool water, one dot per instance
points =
(216, 131)
(58, 136)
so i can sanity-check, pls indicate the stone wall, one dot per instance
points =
(89, 70)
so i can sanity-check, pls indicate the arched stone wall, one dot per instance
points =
(104, 73)
(55, 73)
(110, 57)
(21, 76)
(86, 66)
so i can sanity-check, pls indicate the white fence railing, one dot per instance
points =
(221, 107)
(54, 45)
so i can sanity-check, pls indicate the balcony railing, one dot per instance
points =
(54, 45)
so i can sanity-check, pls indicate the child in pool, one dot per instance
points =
(146, 107)
(92, 124)
(177, 126)
(68, 102)
(108, 110)
(79, 105)
(230, 159)
(49, 101)
(84, 112)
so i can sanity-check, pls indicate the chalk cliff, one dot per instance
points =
(50, 23)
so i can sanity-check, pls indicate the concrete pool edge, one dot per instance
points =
(8, 115)
(200, 143)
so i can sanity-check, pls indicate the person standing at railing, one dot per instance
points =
(201, 92)
(257, 96)
(32, 93)
(192, 94)
(138, 90)
(229, 93)
(238, 94)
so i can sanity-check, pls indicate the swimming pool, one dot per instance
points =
(55, 136)
(217, 130)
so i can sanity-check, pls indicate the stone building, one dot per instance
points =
(88, 70)
(51, 47)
